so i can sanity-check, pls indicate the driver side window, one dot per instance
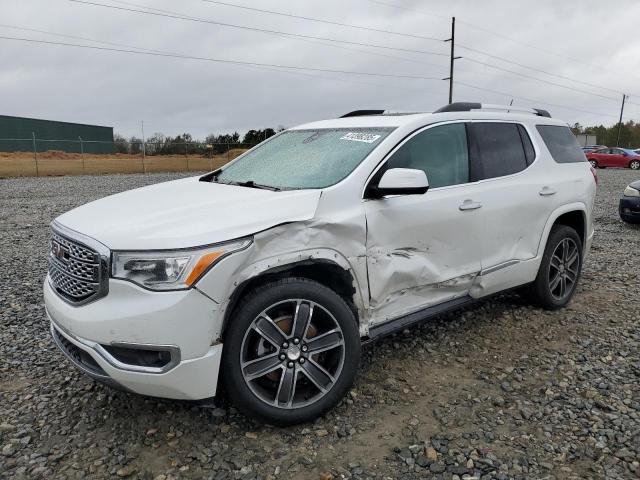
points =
(441, 152)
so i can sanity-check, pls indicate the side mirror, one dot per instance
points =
(401, 181)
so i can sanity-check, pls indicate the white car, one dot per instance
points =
(271, 272)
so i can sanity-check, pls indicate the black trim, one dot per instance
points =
(527, 145)
(375, 192)
(542, 113)
(460, 107)
(362, 113)
(391, 326)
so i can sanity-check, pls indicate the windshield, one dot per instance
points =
(298, 159)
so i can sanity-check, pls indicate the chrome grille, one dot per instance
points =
(77, 272)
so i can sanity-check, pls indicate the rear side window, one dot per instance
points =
(498, 149)
(562, 144)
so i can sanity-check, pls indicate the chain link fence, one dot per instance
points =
(194, 154)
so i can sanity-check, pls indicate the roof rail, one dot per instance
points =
(468, 106)
(362, 113)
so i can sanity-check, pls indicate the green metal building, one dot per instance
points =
(18, 134)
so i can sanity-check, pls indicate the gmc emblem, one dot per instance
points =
(59, 252)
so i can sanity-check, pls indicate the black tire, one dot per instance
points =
(634, 165)
(250, 390)
(542, 291)
(593, 163)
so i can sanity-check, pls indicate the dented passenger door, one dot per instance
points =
(424, 249)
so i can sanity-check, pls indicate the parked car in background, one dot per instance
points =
(614, 157)
(637, 150)
(591, 148)
(630, 203)
(271, 272)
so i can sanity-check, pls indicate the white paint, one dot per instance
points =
(187, 213)
(403, 178)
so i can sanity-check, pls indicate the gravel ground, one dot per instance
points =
(502, 391)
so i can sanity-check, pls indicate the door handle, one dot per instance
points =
(547, 191)
(469, 205)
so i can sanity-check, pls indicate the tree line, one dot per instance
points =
(629, 134)
(185, 144)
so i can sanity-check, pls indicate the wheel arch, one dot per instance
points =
(573, 215)
(326, 272)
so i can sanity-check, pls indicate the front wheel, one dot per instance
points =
(291, 351)
(593, 163)
(634, 165)
(559, 269)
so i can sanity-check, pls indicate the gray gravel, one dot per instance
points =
(503, 390)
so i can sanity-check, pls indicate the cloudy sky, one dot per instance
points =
(587, 53)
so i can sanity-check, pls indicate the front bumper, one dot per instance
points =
(183, 326)
(629, 209)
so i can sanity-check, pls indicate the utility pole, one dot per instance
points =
(620, 121)
(452, 58)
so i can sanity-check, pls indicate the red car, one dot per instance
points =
(614, 157)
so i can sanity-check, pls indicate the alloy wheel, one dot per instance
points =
(635, 165)
(563, 269)
(292, 353)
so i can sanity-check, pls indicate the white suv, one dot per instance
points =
(271, 272)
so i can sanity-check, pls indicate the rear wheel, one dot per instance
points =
(593, 163)
(291, 351)
(634, 165)
(559, 270)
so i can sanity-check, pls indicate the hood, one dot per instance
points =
(187, 213)
(635, 184)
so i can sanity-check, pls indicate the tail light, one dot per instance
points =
(595, 175)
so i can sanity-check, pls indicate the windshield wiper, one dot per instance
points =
(252, 184)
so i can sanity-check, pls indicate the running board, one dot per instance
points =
(392, 326)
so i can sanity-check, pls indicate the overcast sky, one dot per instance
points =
(595, 42)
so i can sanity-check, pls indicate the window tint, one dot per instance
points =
(441, 152)
(499, 149)
(562, 144)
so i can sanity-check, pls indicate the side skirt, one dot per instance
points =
(381, 330)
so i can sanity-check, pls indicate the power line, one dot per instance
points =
(179, 16)
(489, 31)
(506, 60)
(505, 37)
(539, 102)
(219, 60)
(329, 22)
(306, 38)
(524, 75)
(173, 53)
(76, 37)
(320, 40)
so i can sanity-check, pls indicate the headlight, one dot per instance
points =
(170, 269)
(631, 192)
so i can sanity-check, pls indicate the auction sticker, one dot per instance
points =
(361, 137)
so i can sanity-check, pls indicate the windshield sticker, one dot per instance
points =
(361, 137)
